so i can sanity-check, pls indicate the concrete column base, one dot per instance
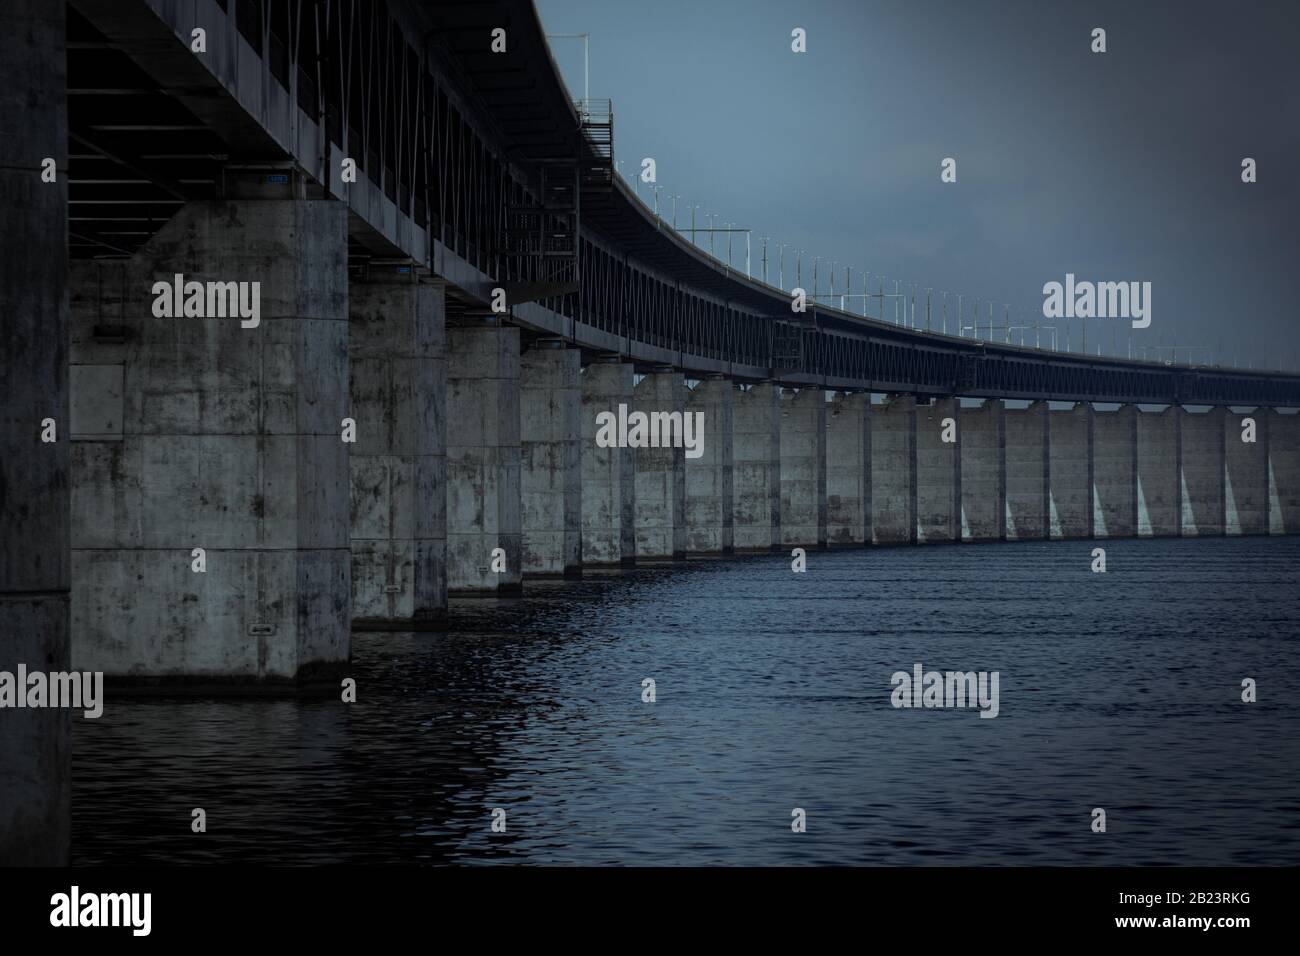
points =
(938, 471)
(608, 474)
(710, 484)
(35, 747)
(983, 472)
(1028, 487)
(1283, 473)
(398, 387)
(803, 468)
(893, 471)
(756, 455)
(1070, 472)
(848, 471)
(1159, 508)
(483, 461)
(551, 469)
(1245, 472)
(204, 432)
(1200, 472)
(660, 474)
(1114, 473)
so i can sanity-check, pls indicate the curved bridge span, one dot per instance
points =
(321, 422)
(254, 393)
(478, 167)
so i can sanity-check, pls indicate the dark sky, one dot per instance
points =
(1117, 166)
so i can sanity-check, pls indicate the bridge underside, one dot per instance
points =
(476, 169)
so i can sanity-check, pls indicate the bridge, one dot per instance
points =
(453, 284)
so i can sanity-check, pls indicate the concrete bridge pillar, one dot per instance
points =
(983, 472)
(803, 468)
(848, 470)
(938, 471)
(551, 450)
(1200, 464)
(756, 451)
(1245, 472)
(660, 474)
(214, 433)
(1114, 473)
(893, 471)
(398, 389)
(608, 485)
(1159, 508)
(1070, 436)
(710, 479)
(483, 453)
(34, 474)
(1283, 473)
(1028, 464)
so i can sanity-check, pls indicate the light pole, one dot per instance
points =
(763, 239)
(586, 60)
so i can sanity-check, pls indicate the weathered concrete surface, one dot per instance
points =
(608, 474)
(1114, 473)
(893, 471)
(1245, 473)
(220, 437)
(398, 386)
(1027, 471)
(1201, 472)
(551, 444)
(1070, 471)
(483, 481)
(756, 453)
(34, 475)
(1159, 509)
(803, 468)
(710, 486)
(660, 474)
(1283, 473)
(983, 472)
(848, 470)
(938, 471)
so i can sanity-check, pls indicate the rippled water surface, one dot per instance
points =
(1117, 690)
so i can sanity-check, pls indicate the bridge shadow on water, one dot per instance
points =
(773, 692)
